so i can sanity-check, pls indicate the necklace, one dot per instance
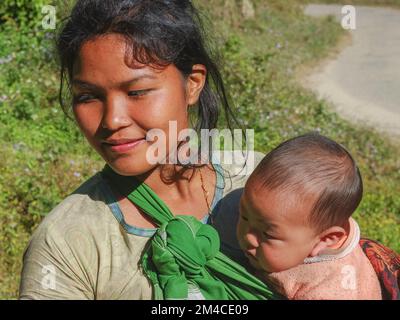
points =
(205, 192)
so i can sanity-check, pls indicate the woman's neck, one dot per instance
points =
(172, 180)
(167, 181)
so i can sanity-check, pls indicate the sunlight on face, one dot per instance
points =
(272, 230)
(115, 105)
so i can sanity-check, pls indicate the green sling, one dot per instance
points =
(183, 260)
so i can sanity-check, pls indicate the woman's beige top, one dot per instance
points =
(84, 249)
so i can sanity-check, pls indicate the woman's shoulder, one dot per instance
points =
(238, 162)
(237, 168)
(75, 244)
(88, 203)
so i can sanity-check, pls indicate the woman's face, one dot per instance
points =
(116, 105)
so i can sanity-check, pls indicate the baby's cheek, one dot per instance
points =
(295, 257)
(279, 257)
(240, 233)
(271, 258)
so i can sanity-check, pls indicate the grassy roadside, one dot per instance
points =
(45, 158)
(261, 58)
(383, 3)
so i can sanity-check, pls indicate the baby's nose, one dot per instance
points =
(251, 240)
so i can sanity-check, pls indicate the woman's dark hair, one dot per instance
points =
(159, 32)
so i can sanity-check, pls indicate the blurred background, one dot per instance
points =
(267, 50)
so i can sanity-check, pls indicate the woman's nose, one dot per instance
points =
(115, 115)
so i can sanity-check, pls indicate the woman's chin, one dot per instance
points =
(126, 167)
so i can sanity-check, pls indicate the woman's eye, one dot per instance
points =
(244, 218)
(84, 98)
(137, 93)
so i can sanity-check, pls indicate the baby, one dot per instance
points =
(295, 224)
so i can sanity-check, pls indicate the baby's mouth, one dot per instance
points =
(248, 255)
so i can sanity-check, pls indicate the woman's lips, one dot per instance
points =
(123, 145)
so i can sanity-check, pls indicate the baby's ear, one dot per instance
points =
(329, 239)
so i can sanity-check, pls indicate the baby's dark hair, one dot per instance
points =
(159, 33)
(314, 165)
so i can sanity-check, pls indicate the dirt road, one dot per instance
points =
(363, 80)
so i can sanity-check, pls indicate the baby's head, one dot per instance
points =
(298, 202)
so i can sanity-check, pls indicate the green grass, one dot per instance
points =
(385, 3)
(44, 158)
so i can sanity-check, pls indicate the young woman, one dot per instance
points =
(130, 67)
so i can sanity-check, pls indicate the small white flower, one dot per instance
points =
(7, 59)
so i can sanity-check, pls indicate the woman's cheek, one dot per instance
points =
(170, 103)
(88, 120)
(157, 114)
(85, 117)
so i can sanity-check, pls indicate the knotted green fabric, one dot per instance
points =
(184, 261)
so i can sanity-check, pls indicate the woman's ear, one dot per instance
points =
(195, 83)
(331, 238)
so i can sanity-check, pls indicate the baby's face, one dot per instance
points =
(272, 230)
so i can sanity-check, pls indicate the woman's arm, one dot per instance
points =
(55, 265)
